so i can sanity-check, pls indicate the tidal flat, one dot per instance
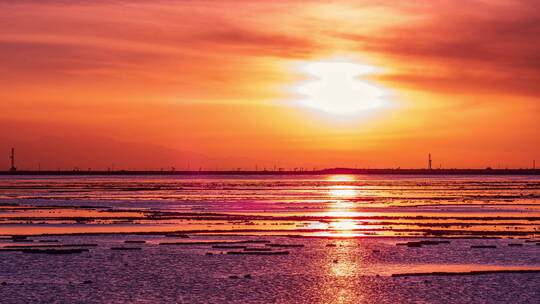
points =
(284, 239)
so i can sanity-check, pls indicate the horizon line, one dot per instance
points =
(326, 171)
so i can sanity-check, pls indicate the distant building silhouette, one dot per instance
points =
(12, 157)
(429, 161)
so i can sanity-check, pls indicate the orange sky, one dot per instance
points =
(151, 84)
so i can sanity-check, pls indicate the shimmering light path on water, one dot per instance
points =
(335, 205)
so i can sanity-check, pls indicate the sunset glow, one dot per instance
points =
(285, 84)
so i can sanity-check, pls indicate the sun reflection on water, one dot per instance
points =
(341, 187)
(342, 265)
(342, 207)
(342, 192)
(341, 178)
(343, 225)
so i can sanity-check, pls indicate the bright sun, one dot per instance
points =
(337, 87)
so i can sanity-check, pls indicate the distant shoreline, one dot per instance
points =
(307, 172)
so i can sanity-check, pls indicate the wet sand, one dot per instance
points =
(351, 270)
(326, 239)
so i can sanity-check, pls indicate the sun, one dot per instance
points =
(339, 86)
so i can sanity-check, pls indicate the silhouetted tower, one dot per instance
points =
(429, 161)
(12, 157)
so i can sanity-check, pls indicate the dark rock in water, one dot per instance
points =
(134, 242)
(4, 283)
(209, 253)
(258, 252)
(233, 277)
(247, 276)
(483, 246)
(421, 243)
(125, 248)
(64, 245)
(228, 246)
(79, 245)
(213, 243)
(414, 244)
(22, 241)
(125, 264)
(48, 246)
(427, 282)
(54, 251)
(376, 251)
(331, 245)
(434, 242)
(335, 261)
(257, 249)
(285, 245)
(88, 282)
(428, 243)
(515, 245)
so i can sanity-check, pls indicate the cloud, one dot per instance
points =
(259, 43)
(203, 75)
(194, 49)
(464, 47)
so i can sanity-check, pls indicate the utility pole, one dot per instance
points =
(429, 161)
(12, 157)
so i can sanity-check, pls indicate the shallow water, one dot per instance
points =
(321, 205)
(349, 226)
(352, 271)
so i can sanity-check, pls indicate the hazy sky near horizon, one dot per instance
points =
(222, 84)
